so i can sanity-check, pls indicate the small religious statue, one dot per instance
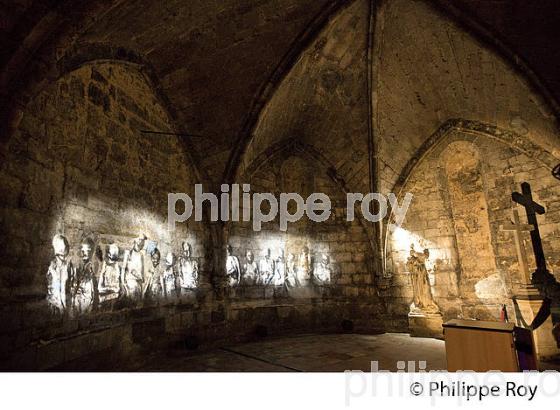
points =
(169, 281)
(322, 273)
(279, 269)
(154, 280)
(266, 269)
(250, 270)
(133, 267)
(291, 272)
(83, 286)
(59, 276)
(423, 299)
(233, 269)
(188, 268)
(110, 281)
(304, 267)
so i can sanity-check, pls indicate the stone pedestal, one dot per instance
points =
(423, 324)
(527, 303)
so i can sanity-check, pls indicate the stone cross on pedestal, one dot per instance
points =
(517, 228)
(532, 208)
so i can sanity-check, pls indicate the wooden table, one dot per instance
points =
(484, 346)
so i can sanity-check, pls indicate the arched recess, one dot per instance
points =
(96, 53)
(431, 63)
(476, 129)
(77, 166)
(439, 65)
(267, 90)
(296, 146)
(348, 244)
(323, 99)
(70, 22)
(462, 178)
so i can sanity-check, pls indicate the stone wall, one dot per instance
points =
(211, 59)
(323, 100)
(429, 69)
(462, 196)
(351, 293)
(79, 166)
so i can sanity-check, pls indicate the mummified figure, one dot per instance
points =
(291, 272)
(110, 280)
(266, 269)
(169, 281)
(304, 269)
(250, 270)
(188, 268)
(279, 269)
(322, 273)
(233, 270)
(60, 276)
(83, 285)
(154, 279)
(133, 267)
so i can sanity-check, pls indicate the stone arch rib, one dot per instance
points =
(91, 53)
(268, 89)
(476, 129)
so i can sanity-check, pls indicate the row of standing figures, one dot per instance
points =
(77, 288)
(290, 272)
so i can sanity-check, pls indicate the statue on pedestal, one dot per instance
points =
(416, 265)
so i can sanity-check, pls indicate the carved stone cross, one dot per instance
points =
(517, 228)
(532, 208)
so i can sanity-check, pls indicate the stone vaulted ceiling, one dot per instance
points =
(213, 58)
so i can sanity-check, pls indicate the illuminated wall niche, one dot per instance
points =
(466, 194)
(310, 259)
(106, 273)
(462, 189)
(91, 185)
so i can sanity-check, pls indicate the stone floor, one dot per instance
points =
(308, 353)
